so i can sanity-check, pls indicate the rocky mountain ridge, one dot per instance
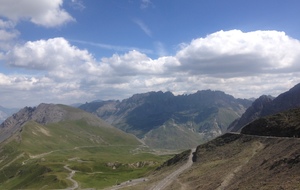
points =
(266, 105)
(43, 114)
(159, 118)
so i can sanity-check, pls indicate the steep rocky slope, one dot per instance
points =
(160, 119)
(266, 105)
(252, 113)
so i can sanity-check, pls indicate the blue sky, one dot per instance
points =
(68, 51)
(147, 25)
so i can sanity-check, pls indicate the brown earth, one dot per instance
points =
(236, 161)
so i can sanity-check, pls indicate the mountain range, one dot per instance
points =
(60, 147)
(161, 118)
(267, 105)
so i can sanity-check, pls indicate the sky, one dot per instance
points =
(77, 51)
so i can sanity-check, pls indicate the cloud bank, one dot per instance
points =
(243, 64)
(42, 12)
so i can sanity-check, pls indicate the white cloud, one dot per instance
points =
(239, 63)
(7, 36)
(6, 24)
(52, 54)
(77, 4)
(113, 47)
(143, 26)
(160, 48)
(42, 12)
(234, 53)
(133, 63)
(145, 4)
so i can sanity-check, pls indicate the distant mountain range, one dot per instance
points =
(6, 112)
(266, 105)
(163, 120)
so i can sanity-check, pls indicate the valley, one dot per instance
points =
(55, 146)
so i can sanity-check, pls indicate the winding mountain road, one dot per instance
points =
(70, 177)
(170, 178)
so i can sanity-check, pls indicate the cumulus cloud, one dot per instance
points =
(7, 35)
(43, 12)
(235, 54)
(47, 54)
(6, 24)
(243, 64)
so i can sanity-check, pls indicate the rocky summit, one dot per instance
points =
(160, 119)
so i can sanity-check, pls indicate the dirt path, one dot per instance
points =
(70, 177)
(170, 178)
(258, 146)
(8, 164)
(41, 155)
(127, 184)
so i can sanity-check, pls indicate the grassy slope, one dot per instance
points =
(35, 158)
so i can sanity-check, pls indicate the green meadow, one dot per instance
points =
(101, 156)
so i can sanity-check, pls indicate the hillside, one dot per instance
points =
(160, 119)
(44, 114)
(265, 156)
(237, 161)
(266, 105)
(283, 124)
(58, 147)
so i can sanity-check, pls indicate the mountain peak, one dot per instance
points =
(159, 118)
(45, 114)
(267, 105)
